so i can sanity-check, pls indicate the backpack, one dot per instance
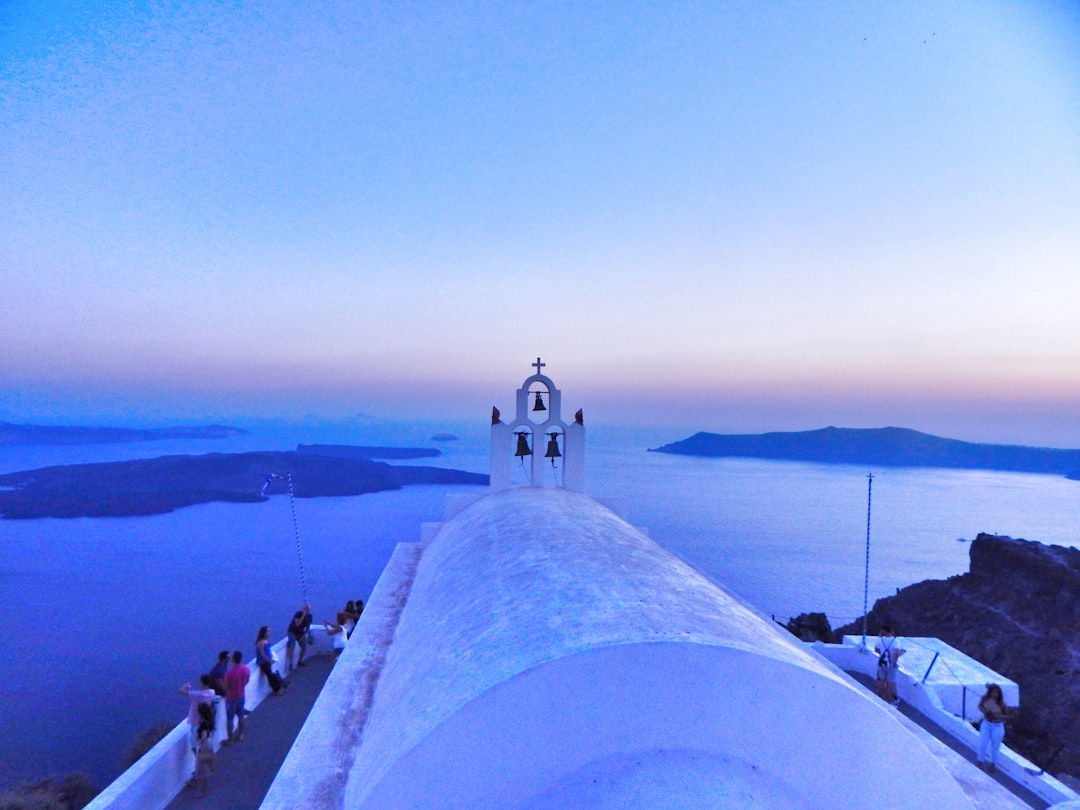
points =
(885, 659)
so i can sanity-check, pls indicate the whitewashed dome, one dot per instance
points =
(550, 656)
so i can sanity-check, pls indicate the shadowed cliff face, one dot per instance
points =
(1018, 611)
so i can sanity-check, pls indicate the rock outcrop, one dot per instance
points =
(1018, 611)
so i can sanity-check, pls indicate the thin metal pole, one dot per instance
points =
(296, 534)
(866, 571)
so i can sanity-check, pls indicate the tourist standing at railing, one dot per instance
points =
(352, 616)
(992, 728)
(196, 697)
(336, 631)
(347, 617)
(236, 681)
(204, 749)
(264, 658)
(217, 674)
(297, 636)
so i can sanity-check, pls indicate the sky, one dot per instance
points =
(728, 216)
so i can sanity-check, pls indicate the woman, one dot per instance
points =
(204, 750)
(336, 631)
(350, 616)
(265, 659)
(992, 729)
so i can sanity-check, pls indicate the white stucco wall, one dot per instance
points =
(551, 655)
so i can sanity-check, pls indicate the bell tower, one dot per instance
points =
(538, 448)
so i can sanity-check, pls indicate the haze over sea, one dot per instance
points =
(107, 617)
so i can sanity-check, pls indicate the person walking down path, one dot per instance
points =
(992, 728)
(889, 651)
(297, 637)
(264, 658)
(236, 681)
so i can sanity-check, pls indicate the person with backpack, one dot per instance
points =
(889, 651)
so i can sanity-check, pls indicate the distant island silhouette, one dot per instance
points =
(159, 485)
(886, 447)
(12, 434)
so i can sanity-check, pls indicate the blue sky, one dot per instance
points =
(730, 216)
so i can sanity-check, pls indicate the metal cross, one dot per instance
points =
(538, 365)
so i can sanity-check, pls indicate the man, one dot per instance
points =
(297, 635)
(195, 697)
(217, 674)
(236, 681)
(889, 651)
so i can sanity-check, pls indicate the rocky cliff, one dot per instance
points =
(1018, 611)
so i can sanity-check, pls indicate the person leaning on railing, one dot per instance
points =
(264, 658)
(336, 631)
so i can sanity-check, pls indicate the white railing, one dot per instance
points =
(161, 773)
(944, 701)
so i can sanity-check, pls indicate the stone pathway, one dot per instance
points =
(245, 770)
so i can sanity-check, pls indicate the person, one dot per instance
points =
(349, 614)
(204, 749)
(236, 681)
(353, 610)
(264, 658)
(336, 631)
(297, 635)
(196, 698)
(218, 673)
(992, 728)
(889, 651)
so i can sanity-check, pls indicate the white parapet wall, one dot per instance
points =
(945, 685)
(161, 773)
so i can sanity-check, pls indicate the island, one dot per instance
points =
(159, 485)
(886, 447)
(12, 434)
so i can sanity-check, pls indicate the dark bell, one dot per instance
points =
(553, 447)
(523, 448)
(538, 405)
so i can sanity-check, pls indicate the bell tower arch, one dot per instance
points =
(538, 448)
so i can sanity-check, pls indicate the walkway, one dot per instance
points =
(245, 770)
(1017, 790)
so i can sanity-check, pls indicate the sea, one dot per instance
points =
(107, 617)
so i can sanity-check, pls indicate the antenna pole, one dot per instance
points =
(296, 534)
(866, 570)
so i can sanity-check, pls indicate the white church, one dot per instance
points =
(537, 651)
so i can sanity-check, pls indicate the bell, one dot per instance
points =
(553, 447)
(538, 405)
(523, 448)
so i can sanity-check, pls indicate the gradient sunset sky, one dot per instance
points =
(732, 216)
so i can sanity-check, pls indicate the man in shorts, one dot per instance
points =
(236, 681)
(297, 634)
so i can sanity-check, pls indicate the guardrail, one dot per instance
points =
(945, 702)
(161, 773)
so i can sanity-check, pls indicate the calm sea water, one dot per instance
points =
(107, 617)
